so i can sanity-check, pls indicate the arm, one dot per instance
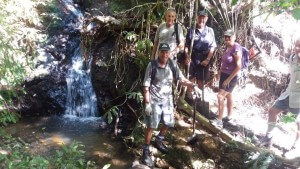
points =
(186, 82)
(181, 38)
(146, 94)
(212, 47)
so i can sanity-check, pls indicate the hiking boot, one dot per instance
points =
(160, 146)
(216, 122)
(227, 119)
(266, 141)
(146, 158)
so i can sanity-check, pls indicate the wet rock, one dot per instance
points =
(161, 163)
(44, 96)
(137, 165)
(210, 145)
(208, 164)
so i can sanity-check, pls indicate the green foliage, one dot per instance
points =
(24, 161)
(143, 53)
(281, 6)
(71, 156)
(114, 111)
(67, 157)
(136, 137)
(288, 118)
(296, 13)
(262, 161)
(137, 96)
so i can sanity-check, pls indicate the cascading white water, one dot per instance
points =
(81, 98)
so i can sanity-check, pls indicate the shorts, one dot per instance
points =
(196, 71)
(231, 85)
(284, 106)
(161, 112)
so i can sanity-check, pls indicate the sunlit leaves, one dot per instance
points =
(296, 13)
(288, 118)
(234, 2)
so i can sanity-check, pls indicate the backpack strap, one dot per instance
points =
(176, 33)
(173, 69)
(154, 66)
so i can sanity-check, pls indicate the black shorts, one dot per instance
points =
(231, 85)
(197, 71)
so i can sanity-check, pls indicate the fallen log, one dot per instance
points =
(227, 137)
(183, 105)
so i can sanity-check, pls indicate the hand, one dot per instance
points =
(197, 92)
(187, 60)
(204, 62)
(226, 83)
(148, 109)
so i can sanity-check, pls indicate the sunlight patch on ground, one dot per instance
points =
(56, 139)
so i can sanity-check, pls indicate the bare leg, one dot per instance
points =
(273, 114)
(297, 135)
(221, 98)
(148, 135)
(229, 104)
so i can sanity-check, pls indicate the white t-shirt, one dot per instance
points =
(166, 34)
(293, 89)
(161, 87)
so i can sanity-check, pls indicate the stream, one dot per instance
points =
(46, 134)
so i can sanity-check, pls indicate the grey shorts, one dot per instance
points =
(284, 105)
(161, 112)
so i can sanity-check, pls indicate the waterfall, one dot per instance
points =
(81, 98)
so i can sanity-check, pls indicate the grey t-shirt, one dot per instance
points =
(167, 35)
(161, 87)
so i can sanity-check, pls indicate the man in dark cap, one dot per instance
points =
(203, 49)
(158, 98)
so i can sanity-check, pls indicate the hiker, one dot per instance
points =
(230, 67)
(288, 101)
(159, 100)
(203, 49)
(166, 33)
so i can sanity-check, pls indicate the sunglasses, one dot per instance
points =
(225, 37)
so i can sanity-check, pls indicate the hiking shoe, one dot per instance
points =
(227, 119)
(146, 158)
(216, 122)
(266, 141)
(160, 146)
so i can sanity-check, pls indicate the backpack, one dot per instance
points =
(176, 33)
(154, 66)
(244, 65)
(181, 54)
(245, 57)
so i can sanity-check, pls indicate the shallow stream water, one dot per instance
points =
(46, 134)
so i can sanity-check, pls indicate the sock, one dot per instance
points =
(146, 147)
(271, 126)
(160, 137)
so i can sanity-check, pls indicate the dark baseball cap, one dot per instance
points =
(164, 46)
(203, 13)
